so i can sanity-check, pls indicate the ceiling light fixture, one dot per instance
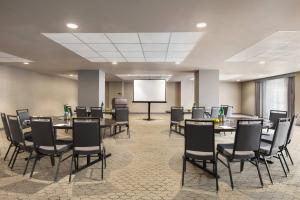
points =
(201, 25)
(114, 63)
(262, 62)
(72, 26)
(71, 75)
(177, 63)
(26, 63)
(238, 80)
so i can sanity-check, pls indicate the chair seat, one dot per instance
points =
(60, 148)
(122, 123)
(268, 138)
(200, 155)
(264, 148)
(227, 151)
(88, 150)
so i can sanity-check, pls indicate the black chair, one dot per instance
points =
(69, 108)
(177, 115)
(199, 145)
(227, 110)
(276, 148)
(87, 141)
(45, 142)
(198, 112)
(245, 147)
(122, 119)
(96, 112)
(23, 116)
(18, 139)
(7, 133)
(275, 115)
(81, 111)
(214, 112)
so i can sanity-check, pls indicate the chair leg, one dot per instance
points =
(258, 171)
(170, 130)
(102, 164)
(70, 174)
(10, 145)
(267, 166)
(52, 161)
(215, 166)
(242, 165)
(289, 155)
(104, 152)
(34, 163)
(12, 156)
(183, 170)
(128, 131)
(13, 163)
(287, 167)
(230, 175)
(57, 168)
(279, 156)
(26, 166)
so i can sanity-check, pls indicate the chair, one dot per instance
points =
(45, 142)
(18, 139)
(215, 112)
(81, 111)
(96, 112)
(276, 148)
(23, 116)
(87, 141)
(7, 133)
(199, 140)
(274, 116)
(177, 115)
(245, 147)
(289, 137)
(69, 108)
(122, 119)
(198, 112)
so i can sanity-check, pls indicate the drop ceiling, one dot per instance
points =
(234, 29)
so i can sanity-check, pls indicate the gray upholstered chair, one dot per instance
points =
(199, 144)
(96, 112)
(45, 142)
(7, 133)
(214, 112)
(245, 147)
(275, 115)
(23, 116)
(177, 115)
(198, 112)
(18, 139)
(81, 111)
(122, 119)
(87, 141)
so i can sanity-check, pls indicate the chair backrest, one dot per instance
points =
(177, 114)
(70, 110)
(15, 128)
(247, 137)
(215, 112)
(96, 112)
(199, 135)
(291, 129)
(5, 126)
(121, 114)
(280, 135)
(42, 132)
(81, 111)
(198, 112)
(86, 132)
(275, 115)
(23, 115)
(228, 110)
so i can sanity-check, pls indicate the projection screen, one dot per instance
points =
(149, 91)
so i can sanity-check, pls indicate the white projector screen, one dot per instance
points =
(149, 91)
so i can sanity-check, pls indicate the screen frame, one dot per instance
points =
(165, 101)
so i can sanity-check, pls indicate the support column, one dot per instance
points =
(91, 88)
(206, 88)
(187, 93)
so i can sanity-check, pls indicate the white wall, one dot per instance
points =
(42, 94)
(230, 93)
(248, 98)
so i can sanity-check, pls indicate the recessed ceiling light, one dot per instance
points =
(26, 63)
(262, 62)
(72, 26)
(177, 63)
(238, 80)
(71, 75)
(114, 63)
(201, 25)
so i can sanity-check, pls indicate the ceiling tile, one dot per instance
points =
(92, 37)
(123, 37)
(155, 47)
(110, 54)
(115, 59)
(154, 37)
(135, 59)
(181, 47)
(129, 47)
(177, 54)
(102, 47)
(185, 37)
(155, 59)
(133, 54)
(81, 49)
(65, 38)
(97, 59)
(155, 54)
